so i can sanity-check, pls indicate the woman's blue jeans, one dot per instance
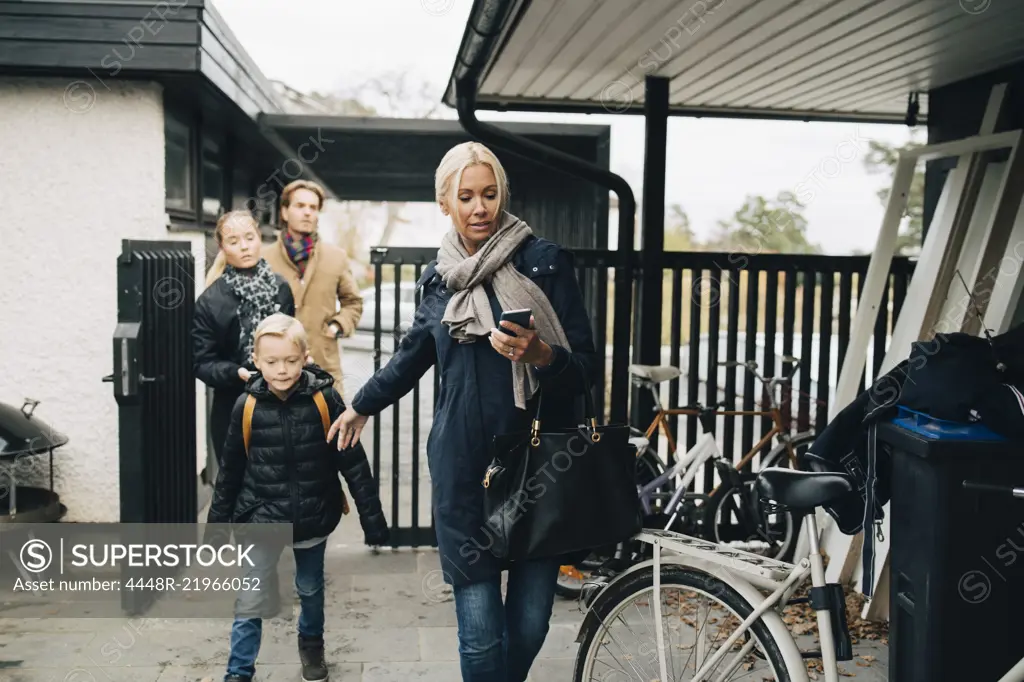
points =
(498, 642)
(246, 633)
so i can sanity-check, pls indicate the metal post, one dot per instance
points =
(647, 316)
(540, 153)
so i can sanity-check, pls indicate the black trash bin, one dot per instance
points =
(956, 591)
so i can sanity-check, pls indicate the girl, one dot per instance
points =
(227, 314)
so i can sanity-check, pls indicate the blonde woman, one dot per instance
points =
(488, 262)
(227, 314)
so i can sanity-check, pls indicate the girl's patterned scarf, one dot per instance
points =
(256, 289)
(300, 249)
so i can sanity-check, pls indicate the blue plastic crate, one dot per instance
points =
(941, 429)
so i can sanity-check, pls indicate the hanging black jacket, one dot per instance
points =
(291, 472)
(953, 377)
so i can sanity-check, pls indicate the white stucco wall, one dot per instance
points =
(80, 170)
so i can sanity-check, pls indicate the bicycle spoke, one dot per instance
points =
(607, 633)
(634, 653)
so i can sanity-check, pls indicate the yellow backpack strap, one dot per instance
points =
(325, 414)
(325, 417)
(250, 405)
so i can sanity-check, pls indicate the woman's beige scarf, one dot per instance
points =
(468, 314)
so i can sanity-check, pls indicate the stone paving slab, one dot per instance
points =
(389, 616)
(385, 623)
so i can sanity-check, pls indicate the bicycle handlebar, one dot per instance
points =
(992, 488)
(751, 365)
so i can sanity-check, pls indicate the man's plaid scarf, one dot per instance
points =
(300, 249)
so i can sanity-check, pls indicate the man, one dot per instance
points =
(327, 300)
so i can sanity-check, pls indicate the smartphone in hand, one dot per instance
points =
(520, 317)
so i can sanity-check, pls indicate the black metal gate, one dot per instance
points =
(718, 307)
(154, 387)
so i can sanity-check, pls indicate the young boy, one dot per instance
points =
(287, 472)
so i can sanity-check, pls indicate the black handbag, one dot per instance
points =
(549, 493)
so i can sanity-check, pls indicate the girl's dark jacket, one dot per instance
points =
(475, 400)
(216, 349)
(291, 472)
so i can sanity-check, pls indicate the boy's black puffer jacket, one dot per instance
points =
(291, 474)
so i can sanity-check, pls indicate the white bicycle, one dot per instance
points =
(700, 611)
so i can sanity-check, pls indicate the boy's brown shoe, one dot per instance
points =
(311, 654)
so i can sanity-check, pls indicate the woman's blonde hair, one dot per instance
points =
(449, 172)
(220, 262)
(233, 216)
(284, 326)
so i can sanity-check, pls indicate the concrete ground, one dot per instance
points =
(389, 619)
(389, 616)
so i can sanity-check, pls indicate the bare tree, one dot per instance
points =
(392, 94)
(396, 94)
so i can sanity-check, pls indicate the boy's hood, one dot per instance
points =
(311, 379)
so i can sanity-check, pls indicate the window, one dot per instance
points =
(213, 176)
(204, 174)
(177, 168)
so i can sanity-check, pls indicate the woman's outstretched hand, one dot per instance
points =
(524, 347)
(347, 427)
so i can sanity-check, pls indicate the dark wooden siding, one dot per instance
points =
(364, 160)
(130, 39)
(224, 61)
(108, 39)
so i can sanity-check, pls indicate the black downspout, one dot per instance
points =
(534, 151)
(647, 346)
(487, 20)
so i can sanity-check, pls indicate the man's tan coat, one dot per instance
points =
(328, 293)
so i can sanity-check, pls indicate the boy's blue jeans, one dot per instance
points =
(499, 641)
(246, 633)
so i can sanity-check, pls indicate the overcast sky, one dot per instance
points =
(328, 45)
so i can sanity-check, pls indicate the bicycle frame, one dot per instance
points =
(771, 387)
(661, 422)
(750, 575)
(706, 448)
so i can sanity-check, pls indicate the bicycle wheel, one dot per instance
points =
(572, 578)
(739, 522)
(695, 606)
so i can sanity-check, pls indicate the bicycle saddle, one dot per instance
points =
(655, 373)
(802, 490)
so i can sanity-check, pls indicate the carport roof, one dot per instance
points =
(848, 60)
(394, 159)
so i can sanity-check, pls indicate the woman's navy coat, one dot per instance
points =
(476, 402)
